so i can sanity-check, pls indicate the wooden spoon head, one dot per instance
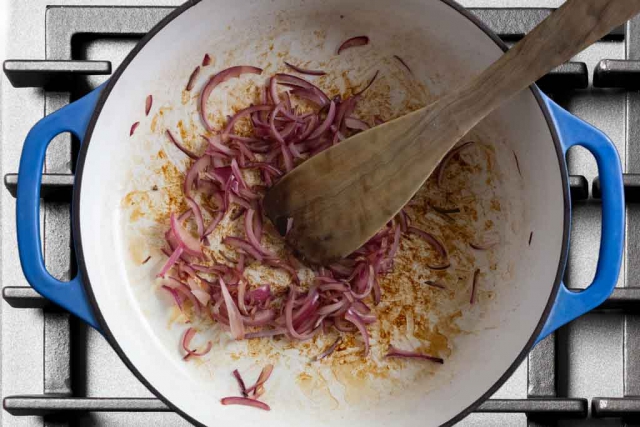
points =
(341, 197)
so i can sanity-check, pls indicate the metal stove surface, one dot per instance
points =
(53, 365)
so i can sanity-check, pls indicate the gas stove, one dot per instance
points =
(56, 371)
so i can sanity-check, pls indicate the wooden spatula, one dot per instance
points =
(335, 201)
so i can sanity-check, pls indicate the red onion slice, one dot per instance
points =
(328, 351)
(214, 81)
(373, 79)
(147, 105)
(206, 60)
(357, 124)
(485, 244)
(181, 147)
(445, 162)
(309, 95)
(353, 42)
(403, 63)
(251, 236)
(235, 318)
(192, 78)
(430, 238)
(190, 243)
(175, 295)
(439, 267)
(297, 82)
(396, 352)
(352, 317)
(304, 71)
(133, 128)
(435, 284)
(202, 296)
(198, 166)
(331, 115)
(215, 143)
(474, 285)
(241, 114)
(262, 378)
(244, 246)
(186, 340)
(195, 208)
(245, 401)
(175, 256)
(243, 388)
(214, 223)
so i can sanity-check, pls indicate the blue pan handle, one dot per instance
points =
(571, 304)
(73, 118)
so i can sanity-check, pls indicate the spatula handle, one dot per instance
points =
(573, 27)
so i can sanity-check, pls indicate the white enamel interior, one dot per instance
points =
(445, 48)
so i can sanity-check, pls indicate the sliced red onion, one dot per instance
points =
(260, 294)
(235, 169)
(286, 156)
(396, 352)
(243, 388)
(216, 144)
(195, 208)
(266, 333)
(202, 296)
(214, 81)
(403, 63)
(186, 340)
(303, 71)
(262, 378)
(430, 238)
(352, 317)
(147, 105)
(474, 285)
(251, 237)
(445, 162)
(485, 244)
(438, 267)
(198, 166)
(244, 246)
(435, 284)
(192, 78)
(181, 147)
(242, 287)
(328, 351)
(373, 79)
(297, 82)
(367, 278)
(186, 291)
(175, 256)
(245, 401)
(445, 211)
(309, 95)
(261, 318)
(353, 42)
(331, 115)
(288, 310)
(353, 123)
(190, 243)
(133, 128)
(174, 294)
(289, 226)
(206, 60)
(235, 318)
(214, 223)
(240, 114)
(331, 309)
